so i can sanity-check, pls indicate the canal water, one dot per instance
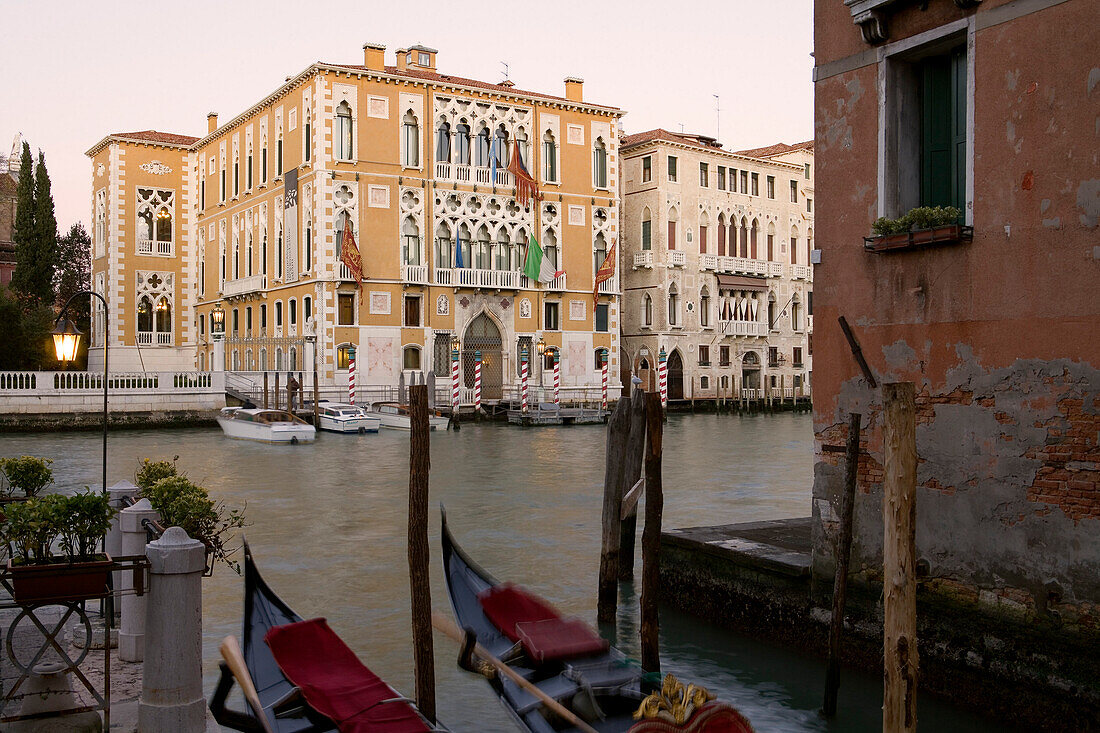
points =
(329, 533)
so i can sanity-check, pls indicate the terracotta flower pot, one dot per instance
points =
(60, 581)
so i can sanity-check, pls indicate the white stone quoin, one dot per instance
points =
(171, 694)
(131, 636)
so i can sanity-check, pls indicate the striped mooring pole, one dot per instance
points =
(523, 378)
(603, 380)
(662, 375)
(477, 382)
(351, 375)
(557, 377)
(454, 380)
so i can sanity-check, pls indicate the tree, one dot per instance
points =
(22, 231)
(25, 334)
(35, 232)
(73, 274)
(45, 228)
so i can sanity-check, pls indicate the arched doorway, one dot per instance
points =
(675, 376)
(624, 372)
(750, 371)
(484, 336)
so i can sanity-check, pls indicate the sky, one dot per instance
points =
(77, 71)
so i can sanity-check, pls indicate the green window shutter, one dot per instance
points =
(943, 130)
(958, 94)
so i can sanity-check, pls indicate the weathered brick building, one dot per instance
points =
(992, 107)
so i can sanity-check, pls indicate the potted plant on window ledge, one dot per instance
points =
(77, 525)
(920, 227)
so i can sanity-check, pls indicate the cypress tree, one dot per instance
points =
(23, 231)
(45, 227)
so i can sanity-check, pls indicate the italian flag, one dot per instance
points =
(537, 266)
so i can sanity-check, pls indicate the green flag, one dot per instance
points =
(537, 266)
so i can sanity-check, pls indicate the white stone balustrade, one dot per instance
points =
(676, 258)
(801, 272)
(643, 259)
(708, 262)
(171, 692)
(415, 274)
(611, 285)
(558, 283)
(743, 328)
(244, 285)
(62, 392)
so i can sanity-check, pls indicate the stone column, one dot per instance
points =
(113, 542)
(171, 694)
(218, 364)
(131, 637)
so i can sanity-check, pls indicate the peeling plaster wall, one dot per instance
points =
(1001, 335)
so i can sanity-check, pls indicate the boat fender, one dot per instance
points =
(294, 440)
(466, 658)
(362, 430)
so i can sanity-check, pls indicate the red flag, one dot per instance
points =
(349, 255)
(606, 272)
(525, 185)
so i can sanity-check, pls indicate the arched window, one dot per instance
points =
(410, 357)
(771, 311)
(280, 361)
(524, 148)
(794, 245)
(235, 361)
(672, 218)
(164, 225)
(307, 244)
(519, 253)
(248, 252)
(292, 358)
(481, 148)
(647, 310)
(549, 157)
(550, 248)
(704, 307)
(599, 164)
(482, 253)
(796, 313)
(443, 142)
(410, 242)
(744, 237)
(704, 224)
(503, 259)
(809, 244)
(500, 147)
(249, 365)
(464, 247)
(163, 319)
(721, 235)
(771, 242)
(673, 305)
(599, 252)
(278, 246)
(144, 318)
(410, 141)
(443, 240)
(343, 356)
(752, 239)
(647, 230)
(462, 144)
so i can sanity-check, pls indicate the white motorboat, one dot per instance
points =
(343, 418)
(396, 416)
(268, 426)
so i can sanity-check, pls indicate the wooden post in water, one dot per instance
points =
(419, 465)
(843, 553)
(301, 391)
(618, 428)
(276, 393)
(632, 471)
(651, 534)
(265, 390)
(899, 707)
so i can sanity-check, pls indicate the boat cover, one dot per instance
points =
(545, 635)
(507, 605)
(336, 684)
(714, 717)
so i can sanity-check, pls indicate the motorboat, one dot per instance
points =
(339, 417)
(394, 415)
(267, 426)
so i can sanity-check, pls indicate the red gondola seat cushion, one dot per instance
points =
(559, 639)
(335, 683)
(506, 605)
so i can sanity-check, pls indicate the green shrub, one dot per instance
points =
(83, 520)
(27, 474)
(922, 217)
(31, 528)
(152, 471)
(183, 503)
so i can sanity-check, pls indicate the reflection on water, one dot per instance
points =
(329, 532)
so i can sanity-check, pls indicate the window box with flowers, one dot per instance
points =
(924, 226)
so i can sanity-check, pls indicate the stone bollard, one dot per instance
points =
(131, 637)
(113, 541)
(171, 691)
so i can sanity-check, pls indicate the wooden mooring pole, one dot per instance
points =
(843, 553)
(651, 534)
(899, 707)
(419, 466)
(276, 393)
(265, 390)
(632, 471)
(618, 428)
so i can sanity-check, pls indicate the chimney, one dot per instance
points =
(211, 122)
(574, 88)
(374, 56)
(401, 58)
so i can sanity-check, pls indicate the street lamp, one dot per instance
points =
(541, 346)
(218, 316)
(66, 340)
(455, 343)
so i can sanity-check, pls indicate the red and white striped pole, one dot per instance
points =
(557, 377)
(454, 378)
(662, 375)
(477, 382)
(523, 378)
(603, 379)
(351, 375)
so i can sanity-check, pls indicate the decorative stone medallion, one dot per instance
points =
(442, 306)
(525, 308)
(156, 168)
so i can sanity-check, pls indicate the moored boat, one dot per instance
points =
(338, 417)
(394, 415)
(267, 426)
(567, 661)
(267, 623)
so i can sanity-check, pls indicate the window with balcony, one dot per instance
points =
(345, 309)
(647, 169)
(307, 308)
(753, 237)
(599, 164)
(599, 252)
(248, 253)
(550, 316)
(462, 144)
(482, 250)
(704, 355)
(794, 245)
(481, 147)
(410, 242)
(549, 158)
(155, 208)
(443, 142)
(647, 230)
(672, 168)
(500, 148)
(550, 248)
(344, 138)
(704, 175)
(702, 239)
(154, 321)
(671, 229)
(502, 259)
(602, 317)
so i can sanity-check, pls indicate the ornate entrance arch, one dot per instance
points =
(483, 335)
(675, 375)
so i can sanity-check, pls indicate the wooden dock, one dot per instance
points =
(547, 413)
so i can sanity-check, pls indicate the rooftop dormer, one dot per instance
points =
(418, 57)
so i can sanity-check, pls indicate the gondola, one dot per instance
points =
(598, 684)
(284, 706)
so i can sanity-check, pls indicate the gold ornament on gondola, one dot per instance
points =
(675, 703)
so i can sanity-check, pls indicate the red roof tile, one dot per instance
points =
(157, 137)
(659, 134)
(777, 149)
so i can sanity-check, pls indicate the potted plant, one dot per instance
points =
(27, 474)
(924, 225)
(77, 524)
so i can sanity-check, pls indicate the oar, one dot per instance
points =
(231, 653)
(448, 627)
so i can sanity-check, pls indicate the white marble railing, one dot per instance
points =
(801, 272)
(415, 274)
(151, 246)
(611, 285)
(244, 285)
(708, 262)
(149, 338)
(444, 276)
(743, 264)
(676, 258)
(558, 283)
(743, 328)
(643, 259)
(47, 383)
(775, 269)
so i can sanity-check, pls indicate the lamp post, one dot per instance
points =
(217, 330)
(66, 341)
(312, 341)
